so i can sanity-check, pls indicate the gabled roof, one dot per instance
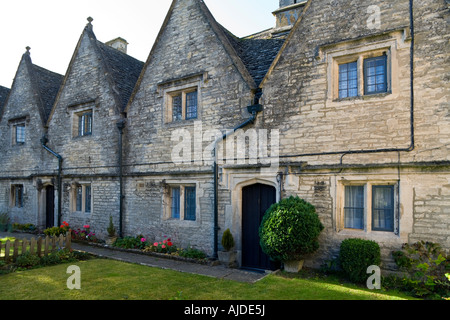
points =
(47, 85)
(124, 71)
(3, 96)
(251, 57)
(256, 54)
(44, 84)
(288, 39)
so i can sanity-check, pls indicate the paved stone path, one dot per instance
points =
(217, 271)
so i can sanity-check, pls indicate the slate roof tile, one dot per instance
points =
(3, 96)
(124, 69)
(256, 54)
(48, 84)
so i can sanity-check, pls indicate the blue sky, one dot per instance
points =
(52, 27)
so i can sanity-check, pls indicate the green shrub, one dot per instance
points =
(290, 229)
(27, 260)
(192, 253)
(138, 242)
(227, 240)
(356, 255)
(427, 266)
(27, 227)
(111, 229)
(56, 231)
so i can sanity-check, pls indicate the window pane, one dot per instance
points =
(191, 105)
(87, 199)
(354, 207)
(375, 75)
(85, 124)
(177, 108)
(189, 203)
(20, 133)
(383, 208)
(79, 199)
(348, 80)
(175, 203)
(88, 126)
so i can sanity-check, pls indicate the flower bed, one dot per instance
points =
(163, 249)
(84, 234)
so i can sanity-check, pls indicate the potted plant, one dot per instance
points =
(227, 257)
(289, 230)
(111, 232)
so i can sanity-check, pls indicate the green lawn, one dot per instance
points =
(103, 279)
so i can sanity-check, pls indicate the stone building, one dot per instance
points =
(344, 104)
(22, 126)
(83, 130)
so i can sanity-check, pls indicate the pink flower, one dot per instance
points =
(143, 239)
(86, 226)
(155, 244)
(164, 241)
(163, 246)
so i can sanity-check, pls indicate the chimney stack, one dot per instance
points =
(288, 13)
(119, 44)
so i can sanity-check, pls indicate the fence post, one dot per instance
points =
(7, 248)
(39, 247)
(16, 249)
(32, 245)
(24, 246)
(68, 240)
(47, 242)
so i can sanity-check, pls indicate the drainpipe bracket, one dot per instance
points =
(255, 108)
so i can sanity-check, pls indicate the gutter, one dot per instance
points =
(253, 109)
(44, 141)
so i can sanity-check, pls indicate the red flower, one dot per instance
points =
(169, 243)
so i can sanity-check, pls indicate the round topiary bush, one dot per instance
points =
(290, 229)
(356, 255)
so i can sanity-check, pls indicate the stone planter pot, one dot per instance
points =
(227, 258)
(293, 266)
(110, 240)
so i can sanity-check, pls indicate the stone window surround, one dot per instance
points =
(73, 197)
(14, 123)
(167, 201)
(368, 184)
(76, 111)
(358, 50)
(167, 89)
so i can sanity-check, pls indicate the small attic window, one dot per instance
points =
(83, 123)
(182, 98)
(182, 104)
(19, 134)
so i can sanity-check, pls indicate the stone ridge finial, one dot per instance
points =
(28, 49)
(90, 19)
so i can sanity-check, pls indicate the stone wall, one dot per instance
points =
(299, 100)
(187, 53)
(91, 159)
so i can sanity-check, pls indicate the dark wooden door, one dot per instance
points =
(256, 199)
(49, 206)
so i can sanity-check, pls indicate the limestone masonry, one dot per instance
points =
(345, 104)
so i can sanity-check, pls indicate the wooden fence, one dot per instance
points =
(40, 246)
